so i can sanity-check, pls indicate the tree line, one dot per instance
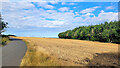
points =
(104, 32)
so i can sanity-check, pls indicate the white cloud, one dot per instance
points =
(77, 13)
(54, 24)
(88, 10)
(102, 11)
(4, 0)
(78, 0)
(63, 3)
(34, 17)
(19, 18)
(88, 14)
(102, 17)
(53, 2)
(74, 7)
(63, 9)
(58, 22)
(17, 5)
(108, 16)
(109, 7)
(49, 7)
(42, 4)
(51, 11)
(71, 3)
(71, 11)
(61, 0)
(45, 5)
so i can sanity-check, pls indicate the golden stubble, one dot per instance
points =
(68, 52)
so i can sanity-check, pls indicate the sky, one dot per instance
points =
(60, 0)
(48, 19)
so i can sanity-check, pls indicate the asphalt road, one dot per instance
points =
(13, 53)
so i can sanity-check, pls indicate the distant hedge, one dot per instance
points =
(5, 36)
(107, 32)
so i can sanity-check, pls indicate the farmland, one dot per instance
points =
(68, 52)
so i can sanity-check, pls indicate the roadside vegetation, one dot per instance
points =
(107, 32)
(4, 39)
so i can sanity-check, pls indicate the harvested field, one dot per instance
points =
(76, 52)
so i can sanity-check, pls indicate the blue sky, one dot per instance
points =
(61, 0)
(47, 19)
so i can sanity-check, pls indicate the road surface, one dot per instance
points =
(13, 53)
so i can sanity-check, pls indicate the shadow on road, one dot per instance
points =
(14, 39)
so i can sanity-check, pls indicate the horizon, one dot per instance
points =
(48, 19)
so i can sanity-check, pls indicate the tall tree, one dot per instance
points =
(3, 25)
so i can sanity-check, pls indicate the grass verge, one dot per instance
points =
(5, 40)
(34, 57)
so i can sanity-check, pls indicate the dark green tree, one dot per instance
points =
(3, 25)
(104, 32)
